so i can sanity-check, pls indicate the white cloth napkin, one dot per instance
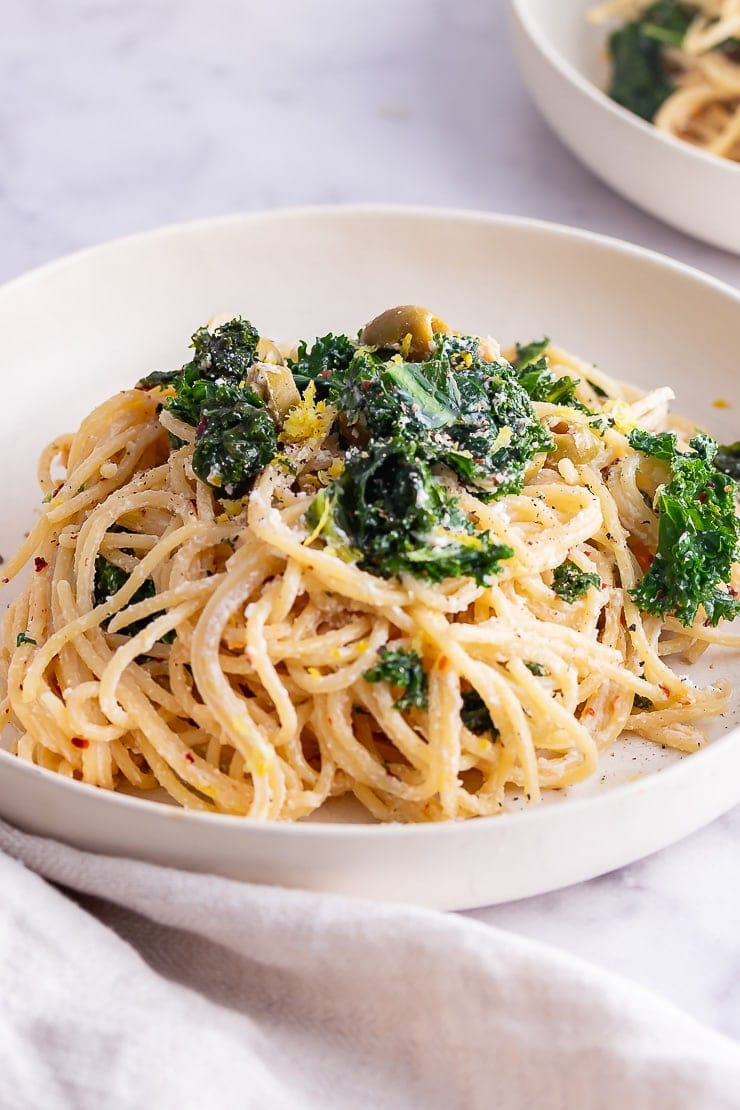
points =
(157, 988)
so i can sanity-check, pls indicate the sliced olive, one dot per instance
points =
(267, 351)
(276, 387)
(408, 328)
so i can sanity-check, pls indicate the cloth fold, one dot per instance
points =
(143, 986)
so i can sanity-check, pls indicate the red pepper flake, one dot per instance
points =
(78, 742)
(443, 663)
(190, 757)
(39, 564)
(590, 712)
(665, 689)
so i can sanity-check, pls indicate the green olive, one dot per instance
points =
(276, 387)
(392, 329)
(579, 449)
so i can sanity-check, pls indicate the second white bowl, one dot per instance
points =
(561, 57)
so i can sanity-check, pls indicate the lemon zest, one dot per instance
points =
(466, 539)
(309, 419)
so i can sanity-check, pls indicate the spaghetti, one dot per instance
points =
(679, 65)
(228, 650)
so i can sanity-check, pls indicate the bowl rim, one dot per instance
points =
(359, 830)
(379, 209)
(550, 53)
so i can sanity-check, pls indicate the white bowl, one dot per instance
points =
(77, 330)
(562, 60)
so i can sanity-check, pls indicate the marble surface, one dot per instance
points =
(119, 116)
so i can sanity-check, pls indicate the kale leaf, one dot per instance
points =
(698, 533)
(529, 354)
(387, 512)
(640, 80)
(536, 378)
(222, 355)
(455, 408)
(217, 372)
(667, 22)
(226, 353)
(405, 670)
(475, 714)
(391, 399)
(542, 385)
(600, 393)
(727, 460)
(235, 436)
(157, 378)
(328, 357)
(234, 442)
(570, 582)
(659, 445)
(192, 397)
(108, 581)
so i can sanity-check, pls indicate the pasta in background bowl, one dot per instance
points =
(677, 65)
(563, 57)
(107, 328)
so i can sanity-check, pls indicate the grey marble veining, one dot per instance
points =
(119, 116)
